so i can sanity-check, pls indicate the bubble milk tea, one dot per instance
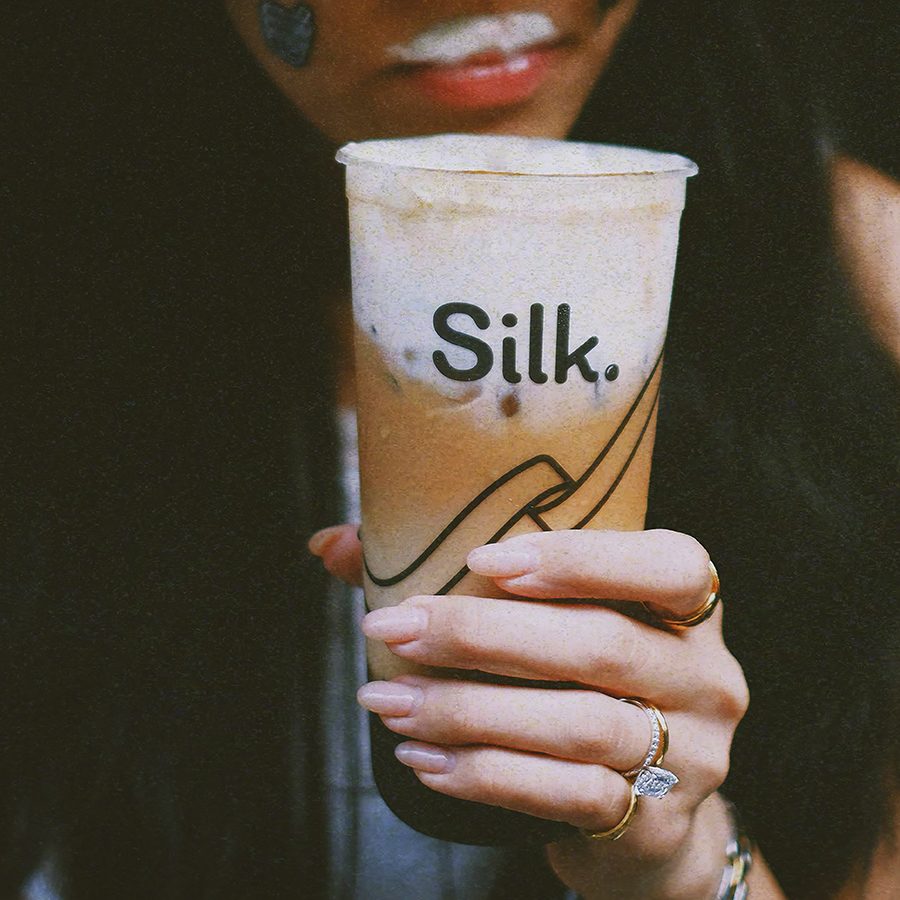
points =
(510, 299)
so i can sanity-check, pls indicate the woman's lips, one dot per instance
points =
(485, 81)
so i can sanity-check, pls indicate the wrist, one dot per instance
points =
(695, 872)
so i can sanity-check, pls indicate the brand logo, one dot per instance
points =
(538, 488)
(563, 358)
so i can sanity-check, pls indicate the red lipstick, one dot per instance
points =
(487, 80)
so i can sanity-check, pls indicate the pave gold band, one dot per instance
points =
(659, 737)
(699, 615)
(614, 833)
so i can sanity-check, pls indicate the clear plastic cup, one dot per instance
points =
(510, 300)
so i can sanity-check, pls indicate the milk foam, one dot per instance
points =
(453, 41)
(492, 230)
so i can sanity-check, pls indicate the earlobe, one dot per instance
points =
(288, 32)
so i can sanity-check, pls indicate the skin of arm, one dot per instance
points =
(866, 208)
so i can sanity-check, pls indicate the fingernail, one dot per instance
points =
(425, 757)
(500, 560)
(322, 540)
(395, 623)
(388, 698)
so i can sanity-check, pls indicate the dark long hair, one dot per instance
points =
(176, 232)
(170, 454)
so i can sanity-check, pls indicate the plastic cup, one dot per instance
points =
(510, 300)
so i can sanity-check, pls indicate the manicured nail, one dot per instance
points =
(322, 540)
(425, 757)
(499, 560)
(390, 698)
(395, 623)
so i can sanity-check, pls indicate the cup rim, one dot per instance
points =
(366, 154)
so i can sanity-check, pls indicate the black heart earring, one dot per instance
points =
(288, 31)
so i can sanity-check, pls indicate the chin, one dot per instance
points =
(528, 126)
(527, 120)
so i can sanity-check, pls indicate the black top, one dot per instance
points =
(174, 230)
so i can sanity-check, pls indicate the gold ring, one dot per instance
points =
(699, 615)
(614, 833)
(659, 736)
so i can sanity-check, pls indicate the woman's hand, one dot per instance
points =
(559, 754)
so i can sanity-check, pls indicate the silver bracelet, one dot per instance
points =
(739, 861)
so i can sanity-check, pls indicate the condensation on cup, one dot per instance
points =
(510, 301)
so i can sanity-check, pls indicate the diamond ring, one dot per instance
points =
(650, 779)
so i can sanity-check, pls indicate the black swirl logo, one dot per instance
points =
(547, 487)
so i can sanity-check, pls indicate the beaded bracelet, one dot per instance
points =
(739, 861)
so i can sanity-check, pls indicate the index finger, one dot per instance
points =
(340, 551)
(665, 568)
